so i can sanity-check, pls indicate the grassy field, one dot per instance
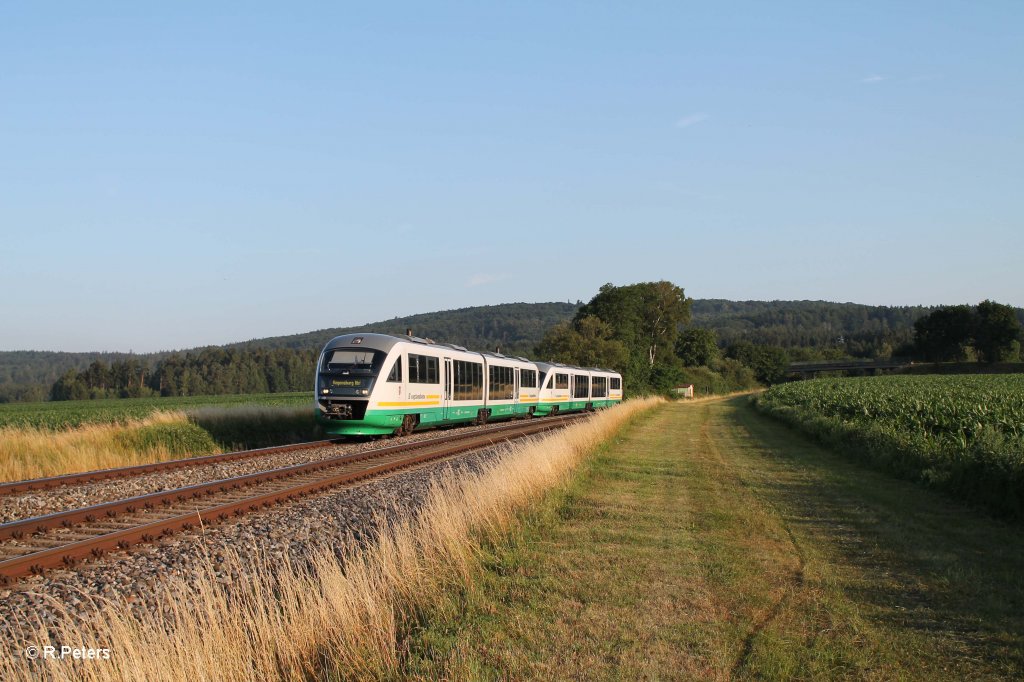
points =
(710, 542)
(960, 434)
(70, 413)
(48, 439)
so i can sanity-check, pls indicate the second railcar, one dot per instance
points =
(565, 388)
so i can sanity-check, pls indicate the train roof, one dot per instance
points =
(385, 342)
(545, 366)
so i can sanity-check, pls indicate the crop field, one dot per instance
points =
(962, 434)
(48, 439)
(68, 414)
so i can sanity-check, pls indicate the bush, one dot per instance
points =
(732, 377)
(183, 438)
(243, 428)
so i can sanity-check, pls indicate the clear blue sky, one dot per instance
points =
(174, 174)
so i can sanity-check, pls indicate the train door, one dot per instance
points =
(447, 398)
(515, 392)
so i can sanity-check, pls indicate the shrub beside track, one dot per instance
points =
(963, 435)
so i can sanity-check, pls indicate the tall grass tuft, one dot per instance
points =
(254, 426)
(329, 618)
(36, 452)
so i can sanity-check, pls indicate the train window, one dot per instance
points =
(528, 378)
(582, 387)
(600, 387)
(502, 383)
(616, 383)
(396, 371)
(362, 360)
(423, 369)
(551, 379)
(469, 380)
(561, 381)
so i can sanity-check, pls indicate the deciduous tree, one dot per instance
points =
(646, 318)
(697, 347)
(996, 329)
(943, 334)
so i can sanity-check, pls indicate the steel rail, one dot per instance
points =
(73, 552)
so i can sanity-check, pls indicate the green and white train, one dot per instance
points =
(377, 384)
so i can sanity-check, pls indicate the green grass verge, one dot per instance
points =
(708, 541)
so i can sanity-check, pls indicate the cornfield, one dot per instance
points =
(961, 433)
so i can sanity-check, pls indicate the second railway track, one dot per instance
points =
(63, 539)
(51, 482)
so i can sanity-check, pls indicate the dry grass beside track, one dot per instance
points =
(333, 620)
(35, 453)
(29, 452)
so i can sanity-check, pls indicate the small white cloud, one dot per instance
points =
(692, 119)
(480, 279)
(872, 79)
(925, 78)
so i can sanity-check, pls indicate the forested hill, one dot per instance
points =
(844, 328)
(28, 374)
(515, 327)
(857, 329)
(852, 328)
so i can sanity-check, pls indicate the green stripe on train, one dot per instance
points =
(383, 422)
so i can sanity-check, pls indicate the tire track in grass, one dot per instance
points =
(728, 469)
(795, 582)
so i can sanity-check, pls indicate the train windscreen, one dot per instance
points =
(354, 360)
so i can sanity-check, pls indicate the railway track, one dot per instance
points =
(36, 484)
(63, 539)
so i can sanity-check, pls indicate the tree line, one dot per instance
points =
(645, 331)
(211, 371)
(988, 332)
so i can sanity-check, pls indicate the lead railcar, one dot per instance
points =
(376, 384)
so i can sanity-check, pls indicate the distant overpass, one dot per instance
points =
(809, 369)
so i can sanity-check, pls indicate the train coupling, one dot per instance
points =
(339, 410)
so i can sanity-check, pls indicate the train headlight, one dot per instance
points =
(326, 391)
(364, 392)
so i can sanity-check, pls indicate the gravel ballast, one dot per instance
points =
(289, 532)
(38, 503)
